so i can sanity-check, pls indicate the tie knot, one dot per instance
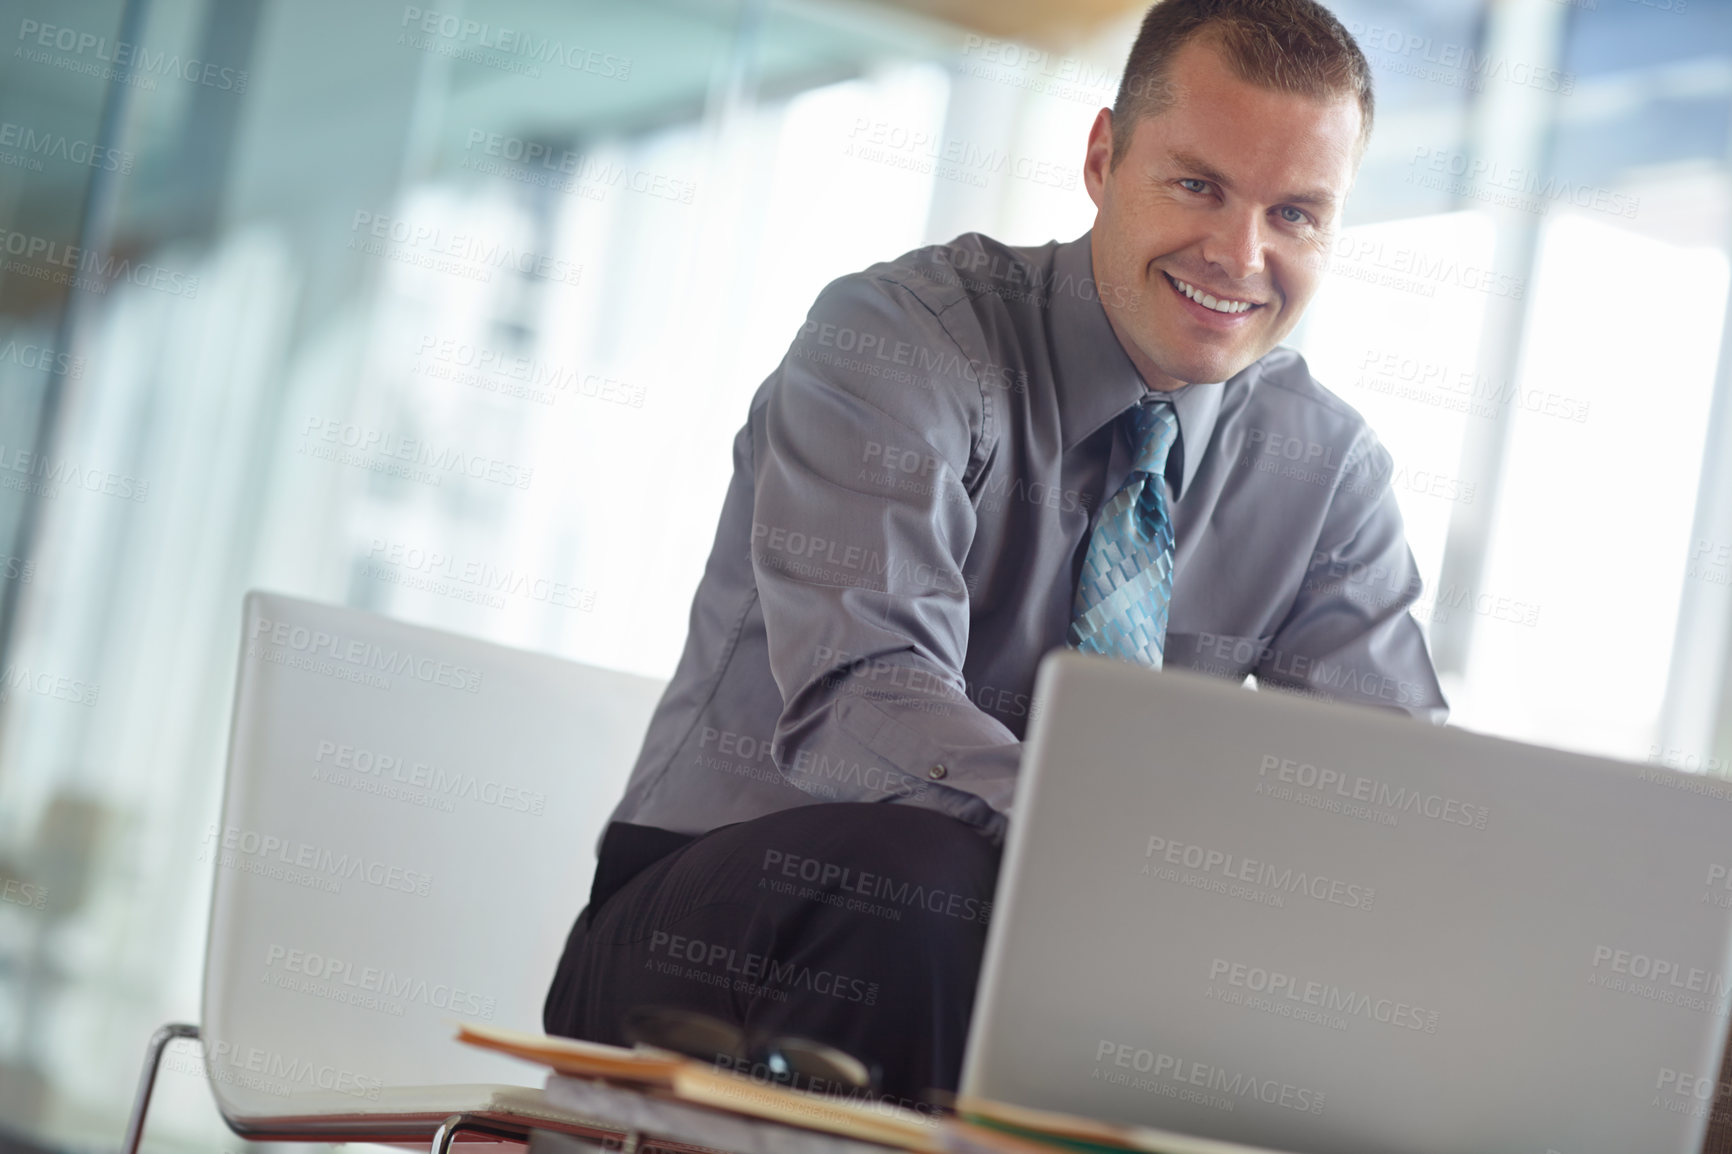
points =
(1154, 428)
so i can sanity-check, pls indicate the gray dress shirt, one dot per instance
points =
(913, 494)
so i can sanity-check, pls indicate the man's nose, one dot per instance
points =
(1235, 244)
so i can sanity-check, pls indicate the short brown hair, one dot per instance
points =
(1295, 46)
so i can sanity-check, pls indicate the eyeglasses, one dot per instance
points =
(797, 1062)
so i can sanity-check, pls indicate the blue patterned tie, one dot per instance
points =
(1127, 578)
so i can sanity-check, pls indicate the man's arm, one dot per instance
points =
(1348, 634)
(860, 526)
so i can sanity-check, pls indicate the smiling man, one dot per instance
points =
(971, 455)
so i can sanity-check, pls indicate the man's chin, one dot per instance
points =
(1207, 370)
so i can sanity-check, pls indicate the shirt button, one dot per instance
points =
(937, 773)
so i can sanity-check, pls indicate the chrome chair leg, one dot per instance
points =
(147, 1080)
(469, 1124)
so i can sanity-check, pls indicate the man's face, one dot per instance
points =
(1234, 191)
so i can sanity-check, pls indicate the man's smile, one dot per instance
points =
(1205, 305)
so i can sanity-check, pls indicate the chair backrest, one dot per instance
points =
(408, 829)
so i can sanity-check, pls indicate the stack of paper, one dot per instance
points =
(688, 1080)
(981, 1126)
(641, 1067)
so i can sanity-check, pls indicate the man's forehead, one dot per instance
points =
(1314, 168)
(1296, 141)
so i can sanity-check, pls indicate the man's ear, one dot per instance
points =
(1099, 159)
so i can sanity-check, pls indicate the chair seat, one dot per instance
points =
(409, 1112)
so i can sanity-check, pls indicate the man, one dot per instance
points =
(972, 455)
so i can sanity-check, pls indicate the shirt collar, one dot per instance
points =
(1096, 380)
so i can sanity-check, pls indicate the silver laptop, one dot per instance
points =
(1301, 925)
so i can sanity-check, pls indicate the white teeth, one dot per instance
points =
(1210, 302)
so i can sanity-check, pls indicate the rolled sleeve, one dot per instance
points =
(1349, 634)
(860, 526)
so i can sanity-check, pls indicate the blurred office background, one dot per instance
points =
(253, 253)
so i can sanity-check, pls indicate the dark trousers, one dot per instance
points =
(857, 925)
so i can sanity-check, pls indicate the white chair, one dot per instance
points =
(408, 829)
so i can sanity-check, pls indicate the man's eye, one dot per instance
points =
(1292, 215)
(1187, 182)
